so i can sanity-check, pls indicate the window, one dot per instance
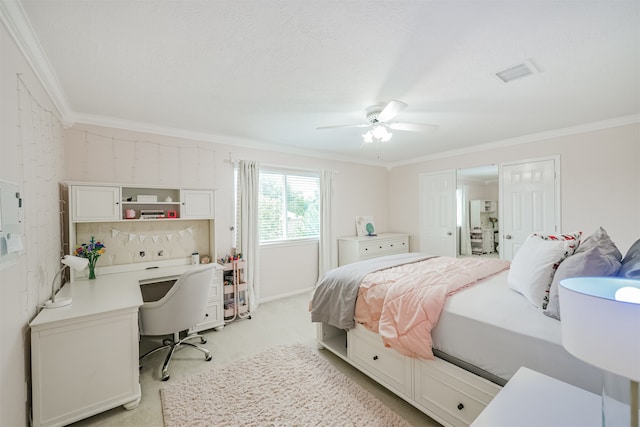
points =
(289, 206)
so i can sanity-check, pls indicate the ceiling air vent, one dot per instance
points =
(521, 70)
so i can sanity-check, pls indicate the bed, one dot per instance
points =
(484, 332)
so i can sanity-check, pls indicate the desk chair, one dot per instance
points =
(182, 307)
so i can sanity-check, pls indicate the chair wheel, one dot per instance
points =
(166, 378)
(203, 340)
(208, 358)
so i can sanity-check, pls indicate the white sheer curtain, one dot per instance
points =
(465, 228)
(327, 254)
(247, 227)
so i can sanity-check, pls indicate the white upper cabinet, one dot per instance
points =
(95, 203)
(197, 204)
(106, 203)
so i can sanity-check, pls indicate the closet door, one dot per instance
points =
(438, 231)
(529, 202)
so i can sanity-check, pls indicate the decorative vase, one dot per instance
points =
(92, 268)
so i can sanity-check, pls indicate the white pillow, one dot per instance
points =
(536, 261)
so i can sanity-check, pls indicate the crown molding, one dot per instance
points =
(234, 141)
(525, 139)
(15, 20)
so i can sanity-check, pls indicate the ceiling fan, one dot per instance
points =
(379, 126)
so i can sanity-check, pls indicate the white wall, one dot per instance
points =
(600, 177)
(31, 156)
(103, 154)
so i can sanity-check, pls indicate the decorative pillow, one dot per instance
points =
(601, 239)
(536, 261)
(631, 262)
(591, 262)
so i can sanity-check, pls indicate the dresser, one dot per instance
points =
(352, 249)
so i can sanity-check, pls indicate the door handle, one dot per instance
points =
(508, 236)
(449, 233)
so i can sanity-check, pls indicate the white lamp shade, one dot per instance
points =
(599, 328)
(75, 262)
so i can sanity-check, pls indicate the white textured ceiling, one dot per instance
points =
(272, 71)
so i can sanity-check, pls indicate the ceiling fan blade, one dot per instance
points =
(343, 126)
(413, 127)
(390, 110)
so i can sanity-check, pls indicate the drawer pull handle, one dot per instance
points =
(375, 357)
(460, 406)
(380, 247)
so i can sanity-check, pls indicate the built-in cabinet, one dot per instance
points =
(104, 203)
(91, 203)
(447, 393)
(352, 249)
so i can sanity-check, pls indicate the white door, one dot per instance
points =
(529, 202)
(438, 231)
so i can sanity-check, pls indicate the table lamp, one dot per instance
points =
(75, 262)
(601, 326)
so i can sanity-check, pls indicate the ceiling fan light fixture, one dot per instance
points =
(378, 132)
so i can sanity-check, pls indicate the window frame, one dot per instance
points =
(297, 173)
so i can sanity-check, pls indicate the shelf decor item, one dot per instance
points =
(92, 252)
(600, 318)
(365, 226)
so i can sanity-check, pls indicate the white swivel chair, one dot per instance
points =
(181, 308)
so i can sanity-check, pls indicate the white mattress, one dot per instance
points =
(496, 329)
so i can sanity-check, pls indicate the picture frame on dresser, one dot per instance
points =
(365, 226)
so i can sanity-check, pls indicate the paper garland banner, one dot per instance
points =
(155, 237)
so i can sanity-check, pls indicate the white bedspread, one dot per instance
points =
(497, 330)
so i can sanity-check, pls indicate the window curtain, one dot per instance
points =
(248, 240)
(465, 228)
(327, 252)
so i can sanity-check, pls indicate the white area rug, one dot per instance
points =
(283, 386)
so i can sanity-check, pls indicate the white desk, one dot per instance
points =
(84, 357)
(531, 399)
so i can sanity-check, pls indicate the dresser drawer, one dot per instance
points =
(212, 318)
(387, 366)
(384, 247)
(451, 392)
(353, 249)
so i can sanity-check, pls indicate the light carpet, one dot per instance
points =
(284, 386)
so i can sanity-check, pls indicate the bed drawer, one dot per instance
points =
(451, 392)
(387, 366)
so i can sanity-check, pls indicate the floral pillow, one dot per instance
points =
(535, 263)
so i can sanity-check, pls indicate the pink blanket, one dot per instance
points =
(403, 303)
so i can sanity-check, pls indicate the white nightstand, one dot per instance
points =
(531, 399)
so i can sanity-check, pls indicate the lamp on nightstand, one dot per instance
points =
(601, 326)
(75, 262)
